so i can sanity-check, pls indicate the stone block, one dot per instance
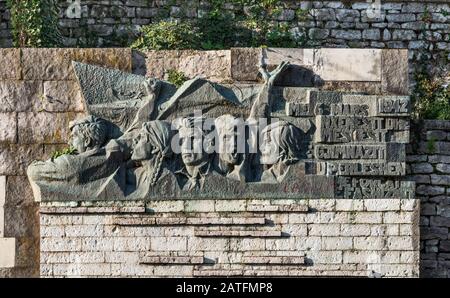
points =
(56, 64)
(244, 63)
(421, 168)
(19, 96)
(61, 96)
(371, 34)
(14, 159)
(349, 205)
(274, 56)
(210, 65)
(382, 204)
(18, 191)
(168, 243)
(135, 243)
(21, 221)
(8, 255)
(367, 217)
(337, 243)
(346, 34)
(95, 244)
(166, 206)
(401, 243)
(199, 206)
(230, 205)
(355, 230)
(440, 179)
(213, 244)
(60, 244)
(27, 253)
(369, 243)
(394, 71)
(399, 217)
(324, 230)
(83, 231)
(443, 168)
(325, 257)
(8, 128)
(348, 64)
(10, 62)
(45, 127)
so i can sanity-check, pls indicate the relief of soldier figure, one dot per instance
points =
(167, 148)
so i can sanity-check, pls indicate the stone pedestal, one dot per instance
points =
(317, 237)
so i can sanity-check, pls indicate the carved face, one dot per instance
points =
(228, 147)
(78, 140)
(142, 149)
(270, 152)
(192, 152)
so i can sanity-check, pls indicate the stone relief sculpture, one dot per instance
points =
(145, 139)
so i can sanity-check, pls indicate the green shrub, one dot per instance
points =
(253, 26)
(431, 95)
(176, 77)
(35, 23)
(66, 151)
(167, 35)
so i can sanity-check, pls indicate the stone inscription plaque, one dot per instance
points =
(145, 139)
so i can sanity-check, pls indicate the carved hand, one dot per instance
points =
(277, 71)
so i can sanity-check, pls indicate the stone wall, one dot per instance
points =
(5, 26)
(423, 26)
(38, 97)
(429, 160)
(231, 238)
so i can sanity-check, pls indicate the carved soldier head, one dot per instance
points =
(227, 133)
(195, 142)
(280, 143)
(88, 133)
(154, 139)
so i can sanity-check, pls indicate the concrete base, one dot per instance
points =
(378, 237)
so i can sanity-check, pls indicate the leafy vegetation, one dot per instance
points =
(176, 77)
(168, 35)
(255, 25)
(431, 95)
(66, 151)
(35, 23)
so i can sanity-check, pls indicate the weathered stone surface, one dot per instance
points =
(14, 159)
(18, 191)
(336, 244)
(8, 128)
(8, 255)
(61, 96)
(19, 96)
(443, 168)
(56, 64)
(210, 65)
(371, 34)
(346, 34)
(10, 61)
(348, 64)
(21, 221)
(244, 63)
(317, 33)
(394, 72)
(430, 190)
(275, 56)
(421, 168)
(44, 127)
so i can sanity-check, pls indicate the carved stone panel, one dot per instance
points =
(144, 139)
